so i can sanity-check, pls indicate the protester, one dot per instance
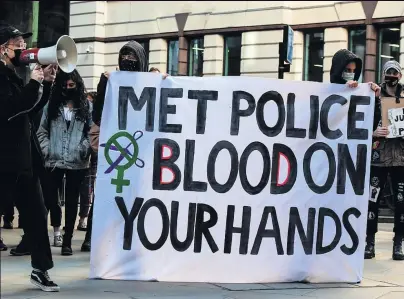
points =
(132, 58)
(387, 158)
(20, 157)
(86, 186)
(63, 137)
(346, 68)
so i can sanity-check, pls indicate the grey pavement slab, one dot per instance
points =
(383, 279)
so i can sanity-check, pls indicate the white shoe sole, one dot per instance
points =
(44, 288)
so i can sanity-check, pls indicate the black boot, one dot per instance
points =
(67, 246)
(22, 248)
(86, 246)
(398, 254)
(370, 247)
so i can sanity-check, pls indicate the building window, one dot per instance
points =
(172, 60)
(388, 47)
(195, 57)
(53, 22)
(357, 45)
(146, 47)
(313, 56)
(232, 55)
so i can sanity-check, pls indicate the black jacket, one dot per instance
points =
(100, 99)
(387, 152)
(19, 104)
(340, 60)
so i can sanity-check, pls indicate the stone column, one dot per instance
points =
(369, 72)
(334, 39)
(213, 55)
(182, 56)
(158, 54)
(260, 53)
(87, 21)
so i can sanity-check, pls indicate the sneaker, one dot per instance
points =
(3, 247)
(82, 227)
(67, 250)
(42, 281)
(57, 241)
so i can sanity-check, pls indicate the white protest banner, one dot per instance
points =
(231, 180)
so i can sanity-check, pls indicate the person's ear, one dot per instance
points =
(400, 76)
(3, 50)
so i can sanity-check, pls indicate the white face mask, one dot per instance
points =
(348, 76)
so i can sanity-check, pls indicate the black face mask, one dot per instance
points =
(70, 93)
(16, 60)
(391, 81)
(129, 65)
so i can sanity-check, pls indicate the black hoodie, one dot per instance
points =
(133, 47)
(340, 60)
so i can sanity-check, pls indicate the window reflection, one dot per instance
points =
(357, 45)
(53, 22)
(388, 47)
(172, 61)
(232, 55)
(195, 57)
(313, 56)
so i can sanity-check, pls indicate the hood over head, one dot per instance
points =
(340, 60)
(391, 64)
(135, 48)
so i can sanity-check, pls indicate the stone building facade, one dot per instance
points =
(198, 38)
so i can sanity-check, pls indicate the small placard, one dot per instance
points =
(393, 116)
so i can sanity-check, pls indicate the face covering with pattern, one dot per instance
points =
(348, 76)
(391, 80)
(129, 65)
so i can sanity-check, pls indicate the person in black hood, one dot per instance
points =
(132, 58)
(346, 68)
(21, 160)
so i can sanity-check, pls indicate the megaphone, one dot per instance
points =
(64, 54)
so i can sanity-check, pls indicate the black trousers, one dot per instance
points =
(74, 179)
(93, 173)
(8, 213)
(378, 178)
(27, 192)
(85, 195)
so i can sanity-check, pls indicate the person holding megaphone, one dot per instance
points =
(21, 160)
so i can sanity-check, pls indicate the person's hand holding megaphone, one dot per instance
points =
(50, 73)
(37, 74)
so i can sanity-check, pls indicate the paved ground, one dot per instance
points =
(384, 279)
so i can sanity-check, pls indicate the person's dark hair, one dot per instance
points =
(154, 69)
(57, 99)
(92, 94)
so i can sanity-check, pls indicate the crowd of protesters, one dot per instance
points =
(52, 128)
